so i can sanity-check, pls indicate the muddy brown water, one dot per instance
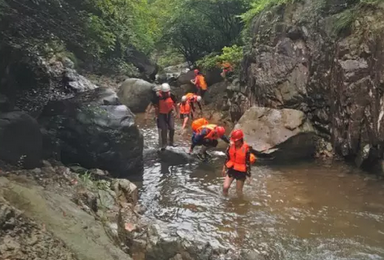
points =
(316, 210)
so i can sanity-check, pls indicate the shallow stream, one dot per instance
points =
(314, 210)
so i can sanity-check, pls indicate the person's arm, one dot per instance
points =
(225, 139)
(173, 97)
(225, 162)
(198, 103)
(193, 81)
(192, 106)
(248, 163)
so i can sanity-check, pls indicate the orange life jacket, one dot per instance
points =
(196, 124)
(200, 82)
(237, 158)
(211, 135)
(165, 105)
(185, 108)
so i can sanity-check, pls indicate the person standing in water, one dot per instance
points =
(166, 104)
(185, 111)
(238, 163)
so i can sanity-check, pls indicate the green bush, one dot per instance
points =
(232, 54)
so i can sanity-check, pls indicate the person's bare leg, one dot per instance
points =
(227, 184)
(239, 187)
(185, 122)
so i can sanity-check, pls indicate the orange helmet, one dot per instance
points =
(237, 135)
(220, 131)
(196, 71)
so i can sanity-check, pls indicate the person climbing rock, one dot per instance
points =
(185, 111)
(166, 103)
(193, 99)
(238, 163)
(207, 136)
(200, 83)
(227, 70)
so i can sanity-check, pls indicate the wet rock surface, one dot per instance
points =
(30, 81)
(288, 130)
(63, 225)
(336, 78)
(20, 139)
(146, 67)
(24, 239)
(136, 94)
(94, 130)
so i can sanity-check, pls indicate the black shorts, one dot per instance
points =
(182, 116)
(241, 176)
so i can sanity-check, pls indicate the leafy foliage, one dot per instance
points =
(196, 28)
(94, 30)
(232, 55)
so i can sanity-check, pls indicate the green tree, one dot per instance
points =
(196, 28)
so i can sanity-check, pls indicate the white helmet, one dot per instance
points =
(198, 98)
(184, 98)
(165, 87)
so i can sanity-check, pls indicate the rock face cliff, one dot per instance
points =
(324, 58)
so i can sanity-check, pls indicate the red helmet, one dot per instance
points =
(237, 135)
(220, 131)
(196, 71)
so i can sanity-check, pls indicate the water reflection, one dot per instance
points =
(306, 211)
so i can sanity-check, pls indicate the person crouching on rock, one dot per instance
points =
(238, 163)
(193, 99)
(185, 111)
(167, 108)
(207, 136)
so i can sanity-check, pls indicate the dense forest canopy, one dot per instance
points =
(100, 31)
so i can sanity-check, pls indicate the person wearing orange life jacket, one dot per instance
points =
(166, 103)
(185, 111)
(193, 99)
(238, 163)
(207, 136)
(200, 83)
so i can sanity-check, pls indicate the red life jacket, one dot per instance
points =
(165, 104)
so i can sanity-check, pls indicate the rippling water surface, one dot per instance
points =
(305, 211)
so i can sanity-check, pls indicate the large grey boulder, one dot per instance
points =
(136, 94)
(94, 130)
(20, 139)
(146, 67)
(288, 130)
